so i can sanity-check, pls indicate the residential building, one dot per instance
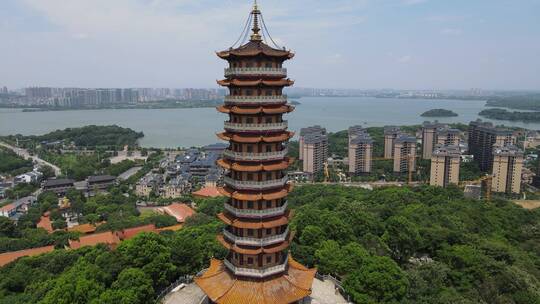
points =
(305, 132)
(448, 137)
(405, 154)
(507, 167)
(445, 162)
(28, 177)
(390, 135)
(481, 139)
(59, 186)
(148, 183)
(360, 153)
(176, 187)
(429, 138)
(315, 153)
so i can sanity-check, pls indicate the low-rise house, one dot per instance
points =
(59, 186)
(29, 177)
(176, 187)
(20, 207)
(147, 184)
(99, 183)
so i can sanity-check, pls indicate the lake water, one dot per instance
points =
(196, 127)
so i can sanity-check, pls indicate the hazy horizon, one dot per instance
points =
(342, 44)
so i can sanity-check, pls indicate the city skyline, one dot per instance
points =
(401, 44)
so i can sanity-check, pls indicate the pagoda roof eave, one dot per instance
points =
(243, 224)
(222, 287)
(252, 83)
(255, 196)
(255, 139)
(253, 49)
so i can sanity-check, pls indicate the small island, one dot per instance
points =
(502, 114)
(439, 113)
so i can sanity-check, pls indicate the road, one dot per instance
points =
(24, 153)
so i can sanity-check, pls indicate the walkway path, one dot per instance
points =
(24, 153)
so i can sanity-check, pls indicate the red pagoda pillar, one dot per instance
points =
(258, 267)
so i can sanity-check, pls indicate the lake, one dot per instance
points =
(197, 127)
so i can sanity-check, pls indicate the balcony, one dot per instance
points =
(277, 155)
(276, 72)
(255, 185)
(256, 273)
(251, 241)
(263, 127)
(255, 100)
(256, 214)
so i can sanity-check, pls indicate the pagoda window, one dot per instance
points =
(268, 175)
(268, 204)
(250, 176)
(268, 92)
(249, 120)
(268, 120)
(250, 205)
(250, 232)
(249, 92)
(250, 261)
(250, 149)
(249, 64)
(269, 231)
(268, 259)
(268, 65)
(241, 259)
(268, 148)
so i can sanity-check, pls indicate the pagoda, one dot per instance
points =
(258, 267)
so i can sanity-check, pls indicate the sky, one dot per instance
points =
(356, 44)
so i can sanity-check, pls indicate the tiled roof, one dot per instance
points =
(224, 288)
(58, 182)
(128, 233)
(180, 211)
(101, 178)
(8, 207)
(108, 238)
(255, 48)
(207, 192)
(8, 257)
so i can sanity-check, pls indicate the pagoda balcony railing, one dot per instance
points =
(279, 126)
(254, 272)
(251, 241)
(275, 99)
(255, 185)
(254, 213)
(282, 72)
(255, 156)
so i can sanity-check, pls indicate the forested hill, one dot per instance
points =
(394, 245)
(420, 245)
(521, 102)
(88, 136)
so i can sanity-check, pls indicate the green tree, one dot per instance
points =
(402, 238)
(379, 280)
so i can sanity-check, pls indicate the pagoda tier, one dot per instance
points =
(256, 218)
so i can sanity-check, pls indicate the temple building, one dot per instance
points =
(258, 267)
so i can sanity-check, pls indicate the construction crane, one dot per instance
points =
(326, 172)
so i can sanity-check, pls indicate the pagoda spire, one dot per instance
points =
(256, 37)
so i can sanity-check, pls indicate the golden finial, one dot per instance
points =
(256, 12)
